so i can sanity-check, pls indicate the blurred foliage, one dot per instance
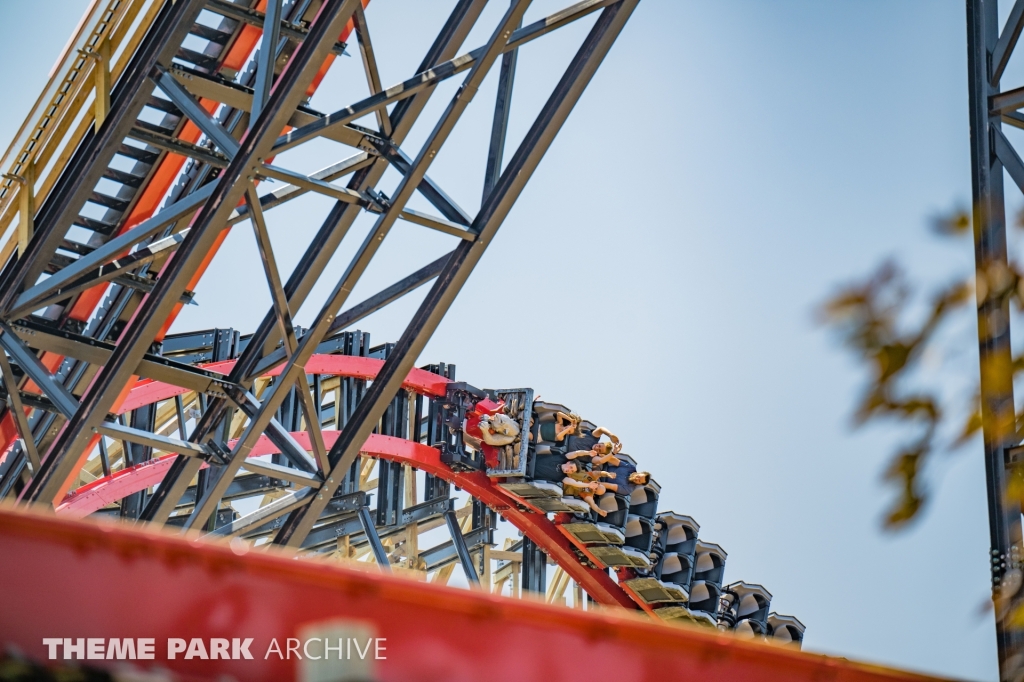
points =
(889, 330)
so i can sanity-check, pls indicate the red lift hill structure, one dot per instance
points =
(216, 505)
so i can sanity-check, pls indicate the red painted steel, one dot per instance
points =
(148, 391)
(72, 579)
(97, 494)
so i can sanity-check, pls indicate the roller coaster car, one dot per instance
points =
(507, 453)
(643, 501)
(609, 530)
(492, 423)
(708, 572)
(676, 547)
(639, 533)
(543, 429)
(590, 533)
(613, 556)
(785, 629)
(547, 497)
(459, 401)
(617, 507)
(680, 543)
(744, 608)
(610, 540)
(682, 613)
(638, 529)
(654, 591)
(633, 519)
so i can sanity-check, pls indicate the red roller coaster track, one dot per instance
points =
(83, 579)
(533, 522)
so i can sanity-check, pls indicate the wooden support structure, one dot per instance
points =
(101, 78)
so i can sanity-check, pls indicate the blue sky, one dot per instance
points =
(728, 166)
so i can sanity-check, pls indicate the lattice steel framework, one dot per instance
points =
(189, 104)
(157, 105)
(75, 360)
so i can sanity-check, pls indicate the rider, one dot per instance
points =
(625, 478)
(555, 430)
(575, 481)
(600, 453)
(586, 440)
(584, 485)
(550, 467)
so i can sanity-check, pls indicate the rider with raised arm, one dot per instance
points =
(587, 446)
(600, 453)
(584, 485)
(554, 429)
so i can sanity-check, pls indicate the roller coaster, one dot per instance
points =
(661, 565)
(159, 125)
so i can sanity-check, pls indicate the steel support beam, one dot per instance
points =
(357, 312)
(278, 297)
(370, 66)
(18, 410)
(278, 434)
(258, 19)
(454, 229)
(499, 127)
(85, 169)
(370, 530)
(267, 58)
(128, 434)
(407, 185)
(534, 568)
(1008, 157)
(195, 112)
(318, 254)
(460, 547)
(60, 396)
(117, 269)
(282, 472)
(95, 352)
(464, 258)
(1007, 41)
(60, 465)
(101, 255)
(997, 403)
(428, 188)
(430, 77)
(267, 512)
(311, 184)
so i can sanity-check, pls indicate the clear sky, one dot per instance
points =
(729, 165)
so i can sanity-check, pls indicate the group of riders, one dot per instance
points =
(578, 457)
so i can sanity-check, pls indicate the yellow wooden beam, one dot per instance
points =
(26, 203)
(101, 82)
